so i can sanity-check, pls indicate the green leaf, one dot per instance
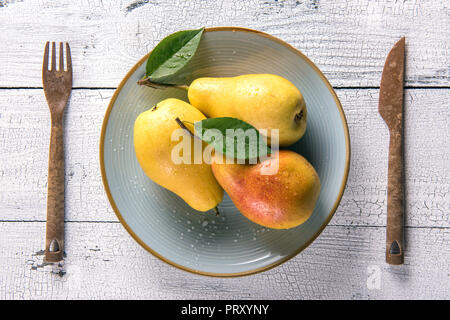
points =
(233, 137)
(172, 54)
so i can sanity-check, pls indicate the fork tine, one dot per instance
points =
(53, 57)
(61, 57)
(68, 58)
(45, 63)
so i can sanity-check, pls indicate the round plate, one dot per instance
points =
(229, 244)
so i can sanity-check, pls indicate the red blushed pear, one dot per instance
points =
(279, 192)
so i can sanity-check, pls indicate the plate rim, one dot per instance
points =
(248, 272)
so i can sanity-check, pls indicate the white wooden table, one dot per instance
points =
(348, 40)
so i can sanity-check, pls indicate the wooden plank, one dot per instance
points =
(24, 136)
(426, 136)
(103, 262)
(348, 40)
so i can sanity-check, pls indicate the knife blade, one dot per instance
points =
(390, 107)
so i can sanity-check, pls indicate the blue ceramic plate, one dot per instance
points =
(230, 244)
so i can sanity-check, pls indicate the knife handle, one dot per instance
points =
(395, 201)
(54, 243)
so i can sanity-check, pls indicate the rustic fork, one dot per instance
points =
(57, 87)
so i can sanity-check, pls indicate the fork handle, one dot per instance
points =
(54, 243)
(395, 200)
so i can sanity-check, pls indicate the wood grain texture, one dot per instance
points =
(103, 262)
(24, 140)
(55, 196)
(25, 129)
(426, 136)
(348, 40)
(390, 106)
(57, 85)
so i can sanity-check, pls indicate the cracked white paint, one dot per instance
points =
(348, 40)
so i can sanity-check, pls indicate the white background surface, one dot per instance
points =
(348, 40)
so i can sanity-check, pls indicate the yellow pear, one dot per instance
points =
(266, 101)
(154, 146)
(279, 192)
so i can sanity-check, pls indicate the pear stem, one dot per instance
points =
(181, 124)
(148, 83)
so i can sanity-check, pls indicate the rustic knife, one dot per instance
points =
(390, 108)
